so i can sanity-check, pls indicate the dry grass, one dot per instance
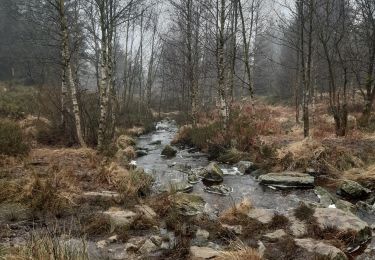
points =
(364, 176)
(135, 184)
(240, 252)
(283, 249)
(304, 212)
(48, 246)
(242, 208)
(135, 131)
(124, 141)
(96, 225)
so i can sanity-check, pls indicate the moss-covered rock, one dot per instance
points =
(353, 190)
(188, 204)
(169, 151)
(212, 174)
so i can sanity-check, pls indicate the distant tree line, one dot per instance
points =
(110, 63)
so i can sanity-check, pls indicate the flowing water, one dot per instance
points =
(166, 171)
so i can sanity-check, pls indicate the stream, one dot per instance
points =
(166, 171)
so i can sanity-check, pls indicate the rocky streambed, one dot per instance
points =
(222, 186)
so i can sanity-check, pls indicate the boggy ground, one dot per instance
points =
(60, 203)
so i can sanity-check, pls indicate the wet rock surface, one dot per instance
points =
(287, 180)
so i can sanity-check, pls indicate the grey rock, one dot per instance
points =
(141, 153)
(262, 215)
(236, 229)
(275, 236)
(245, 167)
(188, 204)
(203, 253)
(146, 212)
(120, 218)
(325, 198)
(201, 237)
(148, 247)
(353, 190)
(213, 174)
(169, 151)
(345, 222)
(321, 249)
(221, 189)
(287, 180)
(157, 142)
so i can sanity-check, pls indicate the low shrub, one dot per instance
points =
(304, 212)
(11, 139)
(134, 184)
(48, 135)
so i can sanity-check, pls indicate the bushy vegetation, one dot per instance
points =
(17, 102)
(11, 139)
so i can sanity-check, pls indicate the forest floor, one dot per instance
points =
(67, 203)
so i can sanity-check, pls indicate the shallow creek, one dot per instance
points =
(244, 186)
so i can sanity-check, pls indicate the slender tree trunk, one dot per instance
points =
(68, 72)
(221, 65)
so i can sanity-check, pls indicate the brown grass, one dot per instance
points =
(240, 252)
(283, 249)
(48, 246)
(278, 222)
(96, 225)
(304, 212)
(231, 214)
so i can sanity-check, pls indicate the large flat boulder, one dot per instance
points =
(321, 249)
(285, 180)
(199, 253)
(264, 216)
(120, 218)
(344, 222)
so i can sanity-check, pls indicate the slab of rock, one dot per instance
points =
(353, 190)
(146, 212)
(199, 253)
(297, 228)
(148, 247)
(212, 174)
(236, 229)
(169, 151)
(346, 206)
(141, 153)
(221, 189)
(120, 218)
(345, 222)
(321, 249)
(325, 198)
(245, 167)
(181, 186)
(188, 204)
(275, 236)
(101, 196)
(157, 142)
(285, 180)
(262, 215)
(201, 237)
